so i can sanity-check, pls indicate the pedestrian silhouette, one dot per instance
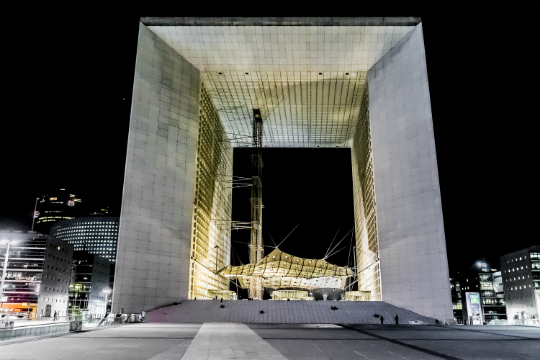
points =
(221, 299)
(382, 320)
(55, 315)
(397, 319)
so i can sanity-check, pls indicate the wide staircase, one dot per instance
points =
(281, 312)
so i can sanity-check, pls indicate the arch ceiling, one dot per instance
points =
(306, 80)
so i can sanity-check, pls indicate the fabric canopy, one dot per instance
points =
(281, 270)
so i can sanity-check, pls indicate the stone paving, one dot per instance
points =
(216, 341)
(380, 342)
(280, 312)
(211, 341)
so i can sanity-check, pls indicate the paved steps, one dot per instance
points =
(283, 312)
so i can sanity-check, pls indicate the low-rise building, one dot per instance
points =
(37, 275)
(457, 304)
(521, 281)
(89, 290)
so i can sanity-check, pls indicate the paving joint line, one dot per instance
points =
(491, 333)
(414, 347)
(524, 339)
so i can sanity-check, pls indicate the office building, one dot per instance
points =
(521, 280)
(485, 281)
(89, 289)
(58, 205)
(95, 234)
(37, 275)
(457, 301)
(357, 83)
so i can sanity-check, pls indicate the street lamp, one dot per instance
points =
(6, 256)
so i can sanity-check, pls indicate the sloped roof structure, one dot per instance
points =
(282, 270)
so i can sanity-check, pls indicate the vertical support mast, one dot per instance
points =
(256, 245)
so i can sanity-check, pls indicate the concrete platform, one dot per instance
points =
(26, 328)
(283, 312)
(285, 341)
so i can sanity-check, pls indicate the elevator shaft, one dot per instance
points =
(256, 242)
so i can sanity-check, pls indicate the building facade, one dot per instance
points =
(55, 206)
(89, 289)
(38, 274)
(95, 234)
(457, 300)
(482, 279)
(521, 281)
(358, 83)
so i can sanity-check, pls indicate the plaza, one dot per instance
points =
(284, 341)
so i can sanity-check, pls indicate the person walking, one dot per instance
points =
(382, 320)
(397, 319)
(221, 299)
(55, 316)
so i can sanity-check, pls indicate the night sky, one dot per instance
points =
(66, 84)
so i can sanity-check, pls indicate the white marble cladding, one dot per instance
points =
(414, 266)
(159, 187)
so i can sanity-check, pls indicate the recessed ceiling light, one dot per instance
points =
(220, 73)
(346, 73)
(247, 73)
(320, 73)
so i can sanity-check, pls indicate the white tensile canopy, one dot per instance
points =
(282, 270)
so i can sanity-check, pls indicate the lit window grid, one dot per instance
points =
(100, 236)
(367, 242)
(213, 201)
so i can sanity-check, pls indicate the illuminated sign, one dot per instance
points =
(77, 200)
(71, 203)
(481, 264)
(474, 310)
(24, 304)
(53, 198)
(36, 215)
(3, 299)
(71, 195)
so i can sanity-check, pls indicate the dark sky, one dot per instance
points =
(66, 83)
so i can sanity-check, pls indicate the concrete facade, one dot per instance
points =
(152, 262)
(413, 260)
(402, 211)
